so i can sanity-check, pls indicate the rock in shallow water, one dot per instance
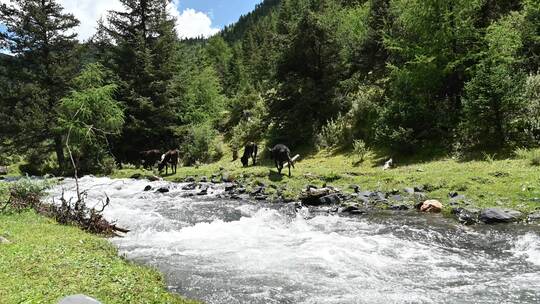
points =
(147, 188)
(534, 217)
(496, 215)
(163, 190)
(466, 216)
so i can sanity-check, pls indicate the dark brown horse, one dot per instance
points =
(149, 158)
(169, 158)
(250, 150)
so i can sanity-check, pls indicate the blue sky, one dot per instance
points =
(195, 18)
(221, 12)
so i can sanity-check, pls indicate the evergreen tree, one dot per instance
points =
(42, 36)
(143, 57)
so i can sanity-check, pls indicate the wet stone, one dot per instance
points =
(466, 216)
(409, 190)
(534, 217)
(189, 187)
(147, 188)
(189, 179)
(331, 199)
(496, 215)
(399, 207)
(163, 190)
(230, 187)
(349, 209)
(204, 179)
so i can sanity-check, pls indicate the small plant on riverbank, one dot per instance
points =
(360, 151)
(532, 156)
(25, 194)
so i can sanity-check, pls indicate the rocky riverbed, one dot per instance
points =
(222, 243)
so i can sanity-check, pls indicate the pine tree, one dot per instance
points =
(143, 56)
(42, 36)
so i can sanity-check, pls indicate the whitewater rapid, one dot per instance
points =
(235, 251)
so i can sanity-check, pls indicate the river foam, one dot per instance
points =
(223, 251)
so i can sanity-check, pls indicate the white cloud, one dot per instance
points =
(189, 24)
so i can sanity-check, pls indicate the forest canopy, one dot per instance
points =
(401, 75)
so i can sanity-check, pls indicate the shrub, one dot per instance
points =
(532, 156)
(200, 145)
(360, 150)
(336, 133)
(25, 194)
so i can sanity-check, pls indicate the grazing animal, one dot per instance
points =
(169, 158)
(149, 158)
(388, 164)
(281, 154)
(250, 150)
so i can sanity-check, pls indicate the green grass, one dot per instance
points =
(507, 183)
(46, 262)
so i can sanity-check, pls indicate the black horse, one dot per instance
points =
(281, 154)
(169, 158)
(250, 150)
(149, 158)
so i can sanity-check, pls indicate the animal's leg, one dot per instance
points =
(289, 169)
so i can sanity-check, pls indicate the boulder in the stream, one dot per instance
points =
(431, 206)
(147, 188)
(163, 190)
(230, 187)
(331, 199)
(534, 217)
(203, 179)
(78, 299)
(466, 216)
(190, 187)
(189, 179)
(497, 215)
(204, 190)
(311, 196)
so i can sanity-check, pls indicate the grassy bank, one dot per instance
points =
(46, 262)
(508, 183)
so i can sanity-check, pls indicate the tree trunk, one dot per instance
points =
(59, 152)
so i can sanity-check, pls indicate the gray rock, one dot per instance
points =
(189, 179)
(147, 188)
(409, 190)
(241, 190)
(396, 198)
(78, 299)
(204, 190)
(331, 199)
(163, 190)
(189, 187)
(204, 179)
(349, 209)
(3, 240)
(399, 207)
(230, 187)
(260, 197)
(466, 216)
(534, 217)
(496, 215)
(4, 170)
